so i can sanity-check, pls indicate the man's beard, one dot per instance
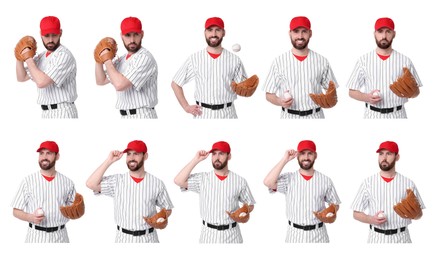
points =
(300, 47)
(306, 167)
(388, 167)
(133, 47)
(136, 167)
(383, 44)
(219, 41)
(53, 46)
(221, 166)
(48, 166)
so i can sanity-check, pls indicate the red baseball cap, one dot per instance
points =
(214, 21)
(306, 145)
(300, 21)
(131, 24)
(137, 146)
(221, 146)
(50, 24)
(384, 22)
(49, 145)
(388, 145)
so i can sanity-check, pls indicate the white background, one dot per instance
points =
(342, 31)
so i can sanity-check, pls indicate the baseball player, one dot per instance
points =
(136, 195)
(220, 192)
(306, 192)
(53, 71)
(375, 71)
(40, 197)
(133, 75)
(296, 74)
(376, 196)
(213, 69)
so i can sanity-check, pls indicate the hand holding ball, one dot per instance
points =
(39, 212)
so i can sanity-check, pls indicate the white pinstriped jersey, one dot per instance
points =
(60, 66)
(215, 198)
(376, 195)
(213, 79)
(302, 198)
(371, 72)
(133, 201)
(300, 78)
(141, 70)
(36, 192)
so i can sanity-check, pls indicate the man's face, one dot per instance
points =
(51, 41)
(384, 37)
(47, 159)
(132, 41)
(134, 160)
(300, 37)
(219, 159)
(306, 159)
(387, 160)
(214, 36)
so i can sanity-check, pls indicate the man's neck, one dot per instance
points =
(384, 52)
(222, 172)
(303, 52)
(49, 173)
(388, 174)
(214, 50)
(309, 172)
(138, 174)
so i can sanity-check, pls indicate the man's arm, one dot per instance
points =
(38, 76)
(118, 80)
(182, 178)
(31, 218)
(275, 100)
(95, 179)
(374, 220)
(179, 93)
(272, 177)
(365, 97)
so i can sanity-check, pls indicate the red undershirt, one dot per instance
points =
(137, 180)
(221, 177)
(128, 56)
(213, 55)
(48, 53)
(48, 178)
(387, 179)
(300, 58)
(306, 177)
(383, 57)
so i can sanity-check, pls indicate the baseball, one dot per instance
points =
(287, 95)
(381, 215)
(160, 220)
(39, 212)
(376, 93)
(236, 47)
(242, 215)
(330, 214)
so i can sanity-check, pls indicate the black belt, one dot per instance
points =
(131, 111)
(214, 107)
(384, 110)
(301, 113)
(306, 228)
(388, 231)
(136, 232)
(47, 229)
(221, 227)
(52, 106)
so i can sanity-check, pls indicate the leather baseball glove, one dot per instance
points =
(408, 207)
(247, 87)
(75, 210)
(328, 215)
(241, 215)
(159, 220)
(327, 100)
(23, 43)
(405, 86)
(108, 44)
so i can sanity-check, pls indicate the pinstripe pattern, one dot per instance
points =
(300, 78)
(302, 198)
(133, 201)
(215, 198)
(213, 78)
(64, 110)
(36, 192)
(142, 113)
(375, 195)
(371, 72)
(141, 70)
(402, 237)
(60, 66)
